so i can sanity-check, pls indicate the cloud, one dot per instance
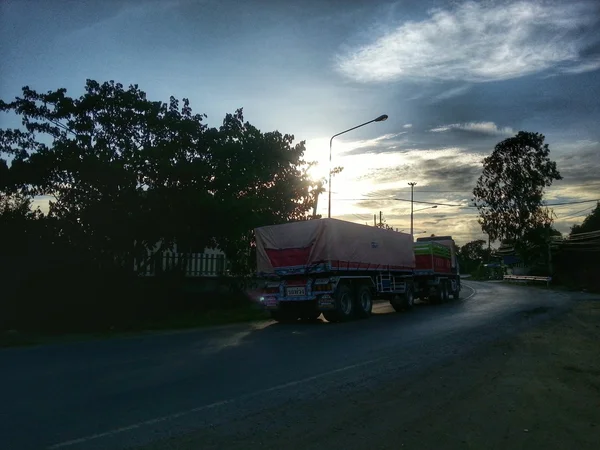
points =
(407, 125)
(480, 42)
(586, 66)
(450, 93)
(489, 128)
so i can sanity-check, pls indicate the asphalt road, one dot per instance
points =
(121, 393)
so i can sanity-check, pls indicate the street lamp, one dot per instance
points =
(412, 188)
(378, 119)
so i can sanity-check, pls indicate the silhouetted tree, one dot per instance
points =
(126, 173)
(590, 223)
(509, 193)
(472, 254)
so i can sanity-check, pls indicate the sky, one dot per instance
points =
(454, 77)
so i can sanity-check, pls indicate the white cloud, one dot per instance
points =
(586, 66)
(407, 125)
(479, 42)
(450, 93)
(478, 127)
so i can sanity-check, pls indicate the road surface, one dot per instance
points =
(122, 393)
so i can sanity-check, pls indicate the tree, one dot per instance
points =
(509, 193)
(472, 254)
(590, 223)
(126, 173)
(258, 179)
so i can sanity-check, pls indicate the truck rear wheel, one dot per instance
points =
(363, 302)
(440, 294)
(444, 292)
(456, 292)
(344, 305)
(409, 298)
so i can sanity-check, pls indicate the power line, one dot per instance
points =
(573, 203)
(576, 213)
(427, 203)
(455, 205)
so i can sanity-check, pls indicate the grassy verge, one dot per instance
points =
(215, 317)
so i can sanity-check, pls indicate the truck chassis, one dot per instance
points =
(345, 296)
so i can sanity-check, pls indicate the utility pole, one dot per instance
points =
(380, 218)
(374, 220)
(412, 187)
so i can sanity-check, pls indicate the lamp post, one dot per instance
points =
(378, 119)
(412, 188)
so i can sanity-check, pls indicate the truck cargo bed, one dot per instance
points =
(432, 257)
(331, 245)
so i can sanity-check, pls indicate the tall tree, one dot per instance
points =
(125, 173)
(258, 179)
(509, 193)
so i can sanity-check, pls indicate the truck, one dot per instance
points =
(337, 268)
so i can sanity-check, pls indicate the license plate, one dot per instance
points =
(296, 291)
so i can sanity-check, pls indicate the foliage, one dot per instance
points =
(590, 223)
(127, 178)
(472, 255)
(126, 173)
(533, 248)
(509, 193)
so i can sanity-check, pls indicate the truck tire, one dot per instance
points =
(445, 291)
(396, 302)
(284, 316)
(344, 305)
(456, 293)
(363, 302)
(409, 298)
(440, 295)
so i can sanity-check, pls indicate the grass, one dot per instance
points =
(215, 317)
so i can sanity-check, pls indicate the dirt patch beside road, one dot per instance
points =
(538, 390)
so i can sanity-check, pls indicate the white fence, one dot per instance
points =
(190, 264)
(527, 278)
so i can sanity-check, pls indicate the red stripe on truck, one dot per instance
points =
(288, 257)
(434, 263)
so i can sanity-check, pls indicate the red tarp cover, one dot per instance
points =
(345, 245)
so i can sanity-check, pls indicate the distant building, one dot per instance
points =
(508, 255)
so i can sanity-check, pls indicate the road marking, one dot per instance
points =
(472, 293)
(209, 406)
(222, 402)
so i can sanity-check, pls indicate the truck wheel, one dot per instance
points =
(456, 293)
(363, 302)
(344, 305)
(445, 292)
(284, 316)
(409, 299)
(397, 303)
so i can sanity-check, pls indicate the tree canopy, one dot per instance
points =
(509, 193)
(125, 173)
(590, 223)
(472, 254)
